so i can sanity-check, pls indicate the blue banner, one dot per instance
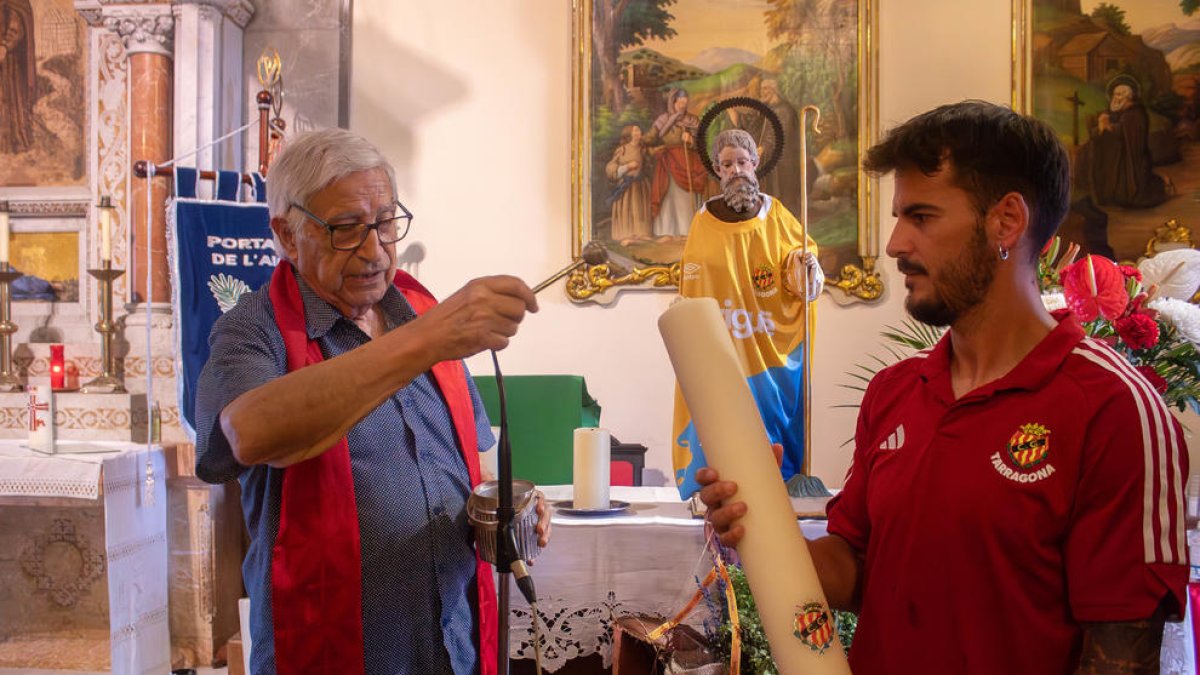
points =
(222, 250)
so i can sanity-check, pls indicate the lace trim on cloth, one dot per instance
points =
(71, 488)
(24, 473)
(573, 630)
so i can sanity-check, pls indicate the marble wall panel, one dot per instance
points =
(312, 38)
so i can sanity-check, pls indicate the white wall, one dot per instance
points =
(471, 101)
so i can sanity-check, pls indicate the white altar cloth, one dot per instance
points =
(133, 479)
(26, 473)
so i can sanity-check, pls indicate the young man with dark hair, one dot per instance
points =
(1015, 504)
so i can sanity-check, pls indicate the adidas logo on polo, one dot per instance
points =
(895, 441)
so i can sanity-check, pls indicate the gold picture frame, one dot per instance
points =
(1069, 69)
(625, 93)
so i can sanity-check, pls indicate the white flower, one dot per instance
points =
(1184, 316)
(1054, 301)
(1176, 273)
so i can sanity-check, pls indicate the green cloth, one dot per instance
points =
(543, 413)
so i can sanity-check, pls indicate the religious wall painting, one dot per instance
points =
(43, 94)
(647, 73)
(1118, 82)
(50, 263)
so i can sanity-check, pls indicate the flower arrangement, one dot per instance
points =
(1142, 312)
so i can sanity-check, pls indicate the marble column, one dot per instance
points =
(208, 80)
(147, 31)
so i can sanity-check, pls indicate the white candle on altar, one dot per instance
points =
(3, 236)
(41, 418)
(105, 231)
(783, 580)
(591, 468)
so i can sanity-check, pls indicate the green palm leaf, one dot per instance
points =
(900, 342)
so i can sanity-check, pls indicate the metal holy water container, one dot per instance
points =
(481, 512)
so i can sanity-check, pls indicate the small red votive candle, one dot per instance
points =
(58, 370)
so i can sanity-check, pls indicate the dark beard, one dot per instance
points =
(958, 288)
(741, 192)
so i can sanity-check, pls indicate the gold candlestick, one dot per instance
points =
(8, 380)
(107, 382)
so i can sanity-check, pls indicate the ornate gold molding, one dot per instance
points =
(1171, 234)
(862, 283)
(585, 283)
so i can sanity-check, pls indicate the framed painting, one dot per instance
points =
(1119, 81)
(43, 96)
(650, 75)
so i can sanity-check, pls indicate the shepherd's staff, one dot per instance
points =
(806, 363)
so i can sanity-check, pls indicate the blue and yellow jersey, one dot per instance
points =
(741, 266)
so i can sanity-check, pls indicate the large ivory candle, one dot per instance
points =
(795, 616)
(591, 468)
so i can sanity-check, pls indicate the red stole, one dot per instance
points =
(316, 566)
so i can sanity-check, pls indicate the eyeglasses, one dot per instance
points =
(349, 236)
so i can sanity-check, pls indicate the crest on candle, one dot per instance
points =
(814, 627)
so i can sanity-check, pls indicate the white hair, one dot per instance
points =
(311, 162)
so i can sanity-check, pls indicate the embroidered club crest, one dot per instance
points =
(814, 627)
(1029, 446)
(763, 277)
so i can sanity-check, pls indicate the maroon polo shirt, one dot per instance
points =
(993, 525)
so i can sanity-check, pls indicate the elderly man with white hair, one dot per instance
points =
(746, 250)
(336, 395)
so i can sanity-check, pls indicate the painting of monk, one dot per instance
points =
(1120, 82)
(1115, 164)
(42, 94)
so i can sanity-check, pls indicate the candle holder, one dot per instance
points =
(107, 382)
(8, 380)
(58, 371)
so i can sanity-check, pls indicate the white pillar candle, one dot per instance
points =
(591, 468)
(41, 418)
(3, 236)
(105, 233)
(783, 580)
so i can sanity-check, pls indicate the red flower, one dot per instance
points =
(1130, 272)
(1138, 331)
(1138, 304)
(1093, 286)
(1157, 381)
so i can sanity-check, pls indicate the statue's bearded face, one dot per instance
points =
(739, 184)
